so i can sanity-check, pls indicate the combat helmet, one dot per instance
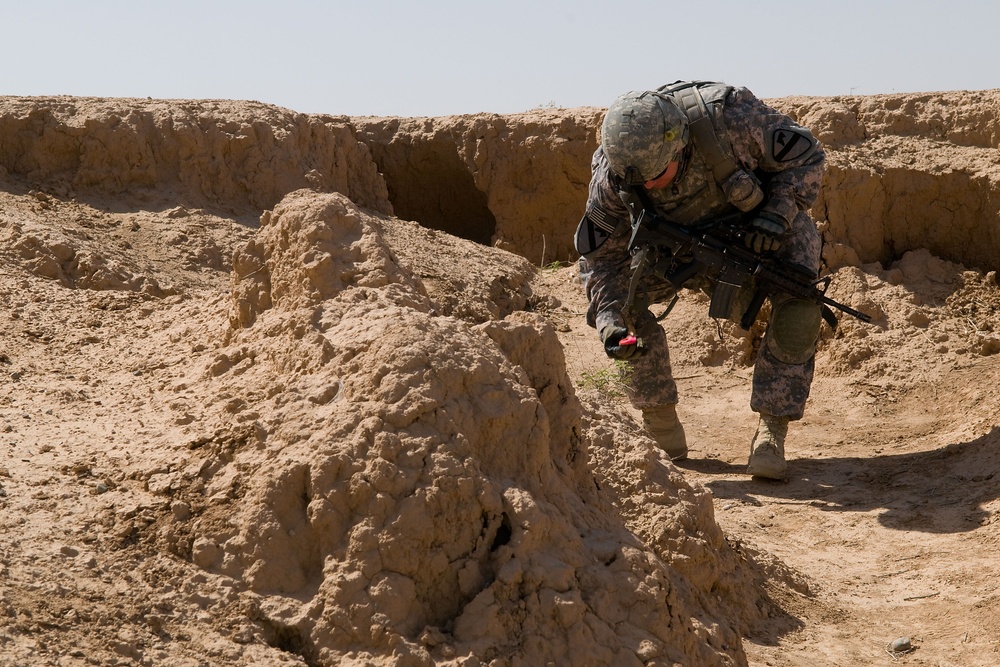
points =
(642, 133)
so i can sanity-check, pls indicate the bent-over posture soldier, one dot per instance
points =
(693, 152)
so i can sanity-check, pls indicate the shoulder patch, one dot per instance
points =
(791, 143)
(594, 229)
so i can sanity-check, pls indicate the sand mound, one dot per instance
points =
(437, 500)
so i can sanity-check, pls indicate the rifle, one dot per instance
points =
(715, 249)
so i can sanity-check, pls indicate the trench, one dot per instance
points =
(428, 183)
(880, 211)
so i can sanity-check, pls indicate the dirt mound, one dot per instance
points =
(437, 499)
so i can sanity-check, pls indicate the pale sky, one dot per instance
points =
(441, 57)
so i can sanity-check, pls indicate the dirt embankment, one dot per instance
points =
(254, 417)
(231, 156)
(898, 166)
(908, 172)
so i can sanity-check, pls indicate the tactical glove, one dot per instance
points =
(765, 233)
(618, 342)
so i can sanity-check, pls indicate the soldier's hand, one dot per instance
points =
(619, 343)
(764, 234)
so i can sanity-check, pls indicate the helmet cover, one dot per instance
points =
(642, 133)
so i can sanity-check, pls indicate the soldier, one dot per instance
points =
(694, 151)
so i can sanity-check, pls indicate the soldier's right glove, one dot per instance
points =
(765, 233)
(619, 343)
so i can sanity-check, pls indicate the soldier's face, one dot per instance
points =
(664, 179)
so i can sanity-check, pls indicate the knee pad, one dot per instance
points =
(794, 330)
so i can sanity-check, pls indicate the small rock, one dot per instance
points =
(205, 553)
(181, 510)
(160, 484)
(919, 319)
(901, 645)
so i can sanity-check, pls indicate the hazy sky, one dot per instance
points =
(439, 57)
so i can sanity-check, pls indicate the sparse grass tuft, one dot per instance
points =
(610, 381)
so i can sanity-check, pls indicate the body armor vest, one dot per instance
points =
(712, 183)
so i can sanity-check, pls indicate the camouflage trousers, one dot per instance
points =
(779, 388)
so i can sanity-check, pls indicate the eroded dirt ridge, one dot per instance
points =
(254, 417)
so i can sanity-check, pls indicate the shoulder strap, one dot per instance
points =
(710, 140)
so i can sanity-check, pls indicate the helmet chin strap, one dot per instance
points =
(632, 177)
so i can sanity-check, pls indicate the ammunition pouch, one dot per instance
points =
(743, 190)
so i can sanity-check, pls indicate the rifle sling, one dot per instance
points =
(633, 285)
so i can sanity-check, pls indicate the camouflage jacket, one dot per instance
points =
(756, 137)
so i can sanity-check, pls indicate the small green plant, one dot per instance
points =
(610, 381)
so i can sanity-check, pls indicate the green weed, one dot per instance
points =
(610, 381)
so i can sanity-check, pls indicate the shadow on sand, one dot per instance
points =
(937, 491)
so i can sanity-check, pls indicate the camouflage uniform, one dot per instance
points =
(758, 138)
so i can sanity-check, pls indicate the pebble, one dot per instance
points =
(181, 510)
(901, 645)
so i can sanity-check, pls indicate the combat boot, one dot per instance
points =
(665, 428)
(767, 452)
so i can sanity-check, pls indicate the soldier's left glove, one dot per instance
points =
(765, 232)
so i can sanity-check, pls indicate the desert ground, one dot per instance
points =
(282, 389)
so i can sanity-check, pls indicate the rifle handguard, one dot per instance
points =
(716, 253)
